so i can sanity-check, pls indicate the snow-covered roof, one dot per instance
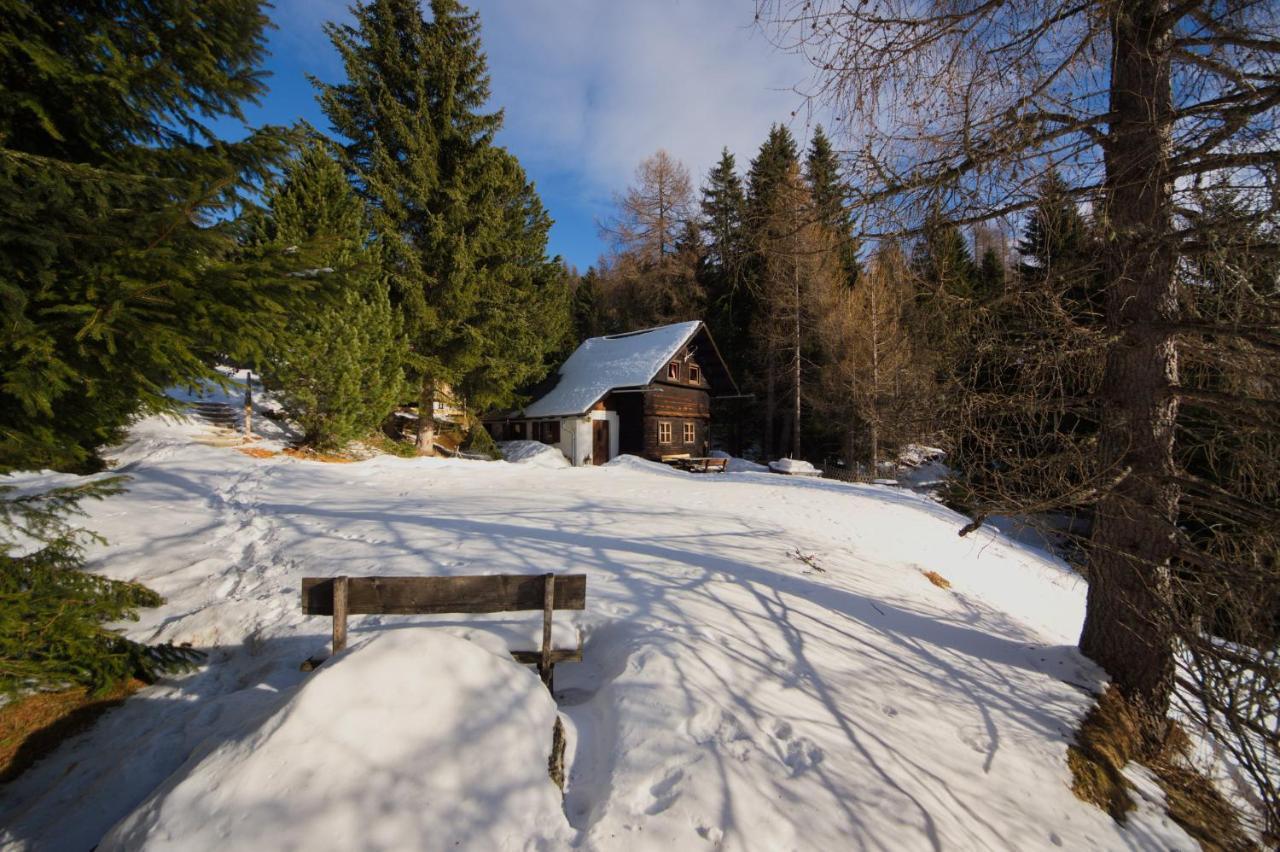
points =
(602, 364)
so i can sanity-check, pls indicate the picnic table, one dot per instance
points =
(696, 464)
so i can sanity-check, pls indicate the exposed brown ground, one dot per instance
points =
(34, 725)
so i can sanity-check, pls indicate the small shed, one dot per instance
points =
(647, 393)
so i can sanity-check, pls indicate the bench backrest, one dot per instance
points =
(343, 596)
(441, 595)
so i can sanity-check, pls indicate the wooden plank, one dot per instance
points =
(548, 607)
(558, 655)
(443, 595)
(341, 586)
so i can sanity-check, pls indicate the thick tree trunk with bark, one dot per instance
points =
(1127, 626)
(426, 417)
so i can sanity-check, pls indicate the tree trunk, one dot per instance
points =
(426, 417)
(796, 365)
(874, 408)
(873, 439)
(1127, 626)
(770, 402)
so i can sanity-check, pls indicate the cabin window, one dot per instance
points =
(673, 370)
(517, 430)
(694, 373)
(551, 432)
(664, 433)
(689, 433)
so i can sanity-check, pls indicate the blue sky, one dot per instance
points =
(589, 88)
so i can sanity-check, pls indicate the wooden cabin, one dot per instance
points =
(647, 393)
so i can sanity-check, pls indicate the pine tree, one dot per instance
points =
(52, 612)
(799, 267)
(771, 170)
(1055, 232)
(1027, 363)
(989, 281)
(463, 231)
(723, 271)
(942, 260)
(337, 368)
(822, 171)
(1059, 253)
(587, 319)
(119, 272)
(723, 207)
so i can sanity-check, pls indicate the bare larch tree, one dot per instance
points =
(649, 273)
(961, 106)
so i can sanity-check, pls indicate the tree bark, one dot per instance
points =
(426, 417)
(1128, 628)
(796, 365)
(770, 401)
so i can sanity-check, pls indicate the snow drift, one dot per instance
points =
(795, 467)
(533, 453)
(413, 739)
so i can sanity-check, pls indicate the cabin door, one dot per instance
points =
(599, 441)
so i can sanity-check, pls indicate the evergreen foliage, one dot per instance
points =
(770, 180)
(943, 262)
(990, 278)
(463, 231)
(822, 171)
(1059, 252)
(479, 442)
(1029, 363)
(52, 613)
(769, 170)
(337, 368)
(119, 274)
(587, 318)
(722, 272)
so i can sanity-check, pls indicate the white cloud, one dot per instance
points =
(590, 87)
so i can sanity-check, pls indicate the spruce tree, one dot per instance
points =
(120, 274)
(822, 171)
(728, 302)
(337, 368)
(989, 280)
(53, 613)
(943, 261)
(768, 172)
(587, 320)
(463, 231)
(768, 180)
(1059, 252)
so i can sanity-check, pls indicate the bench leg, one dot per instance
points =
(339, 613)
(545, 666)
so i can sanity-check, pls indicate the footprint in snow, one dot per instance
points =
(711, 833)
(799, 754)
(802, 755)
(665, 792)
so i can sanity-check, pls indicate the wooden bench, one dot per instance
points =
(343, 596)
(696, 464)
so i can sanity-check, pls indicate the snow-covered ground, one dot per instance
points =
(766, 667)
